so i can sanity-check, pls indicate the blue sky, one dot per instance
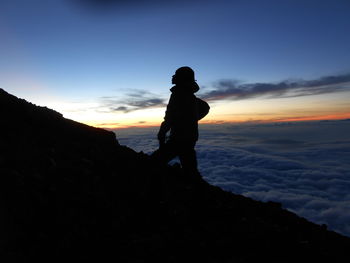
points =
(72, 54)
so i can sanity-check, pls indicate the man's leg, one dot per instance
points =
(160, 158)
(165, 153)
(188, 159)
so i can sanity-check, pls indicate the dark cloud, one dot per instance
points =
(146, 103)
(121, 108)
(233, 90)
(329, 80)
(136, 100)
(115, 5)
(107, 124)
(129, 2)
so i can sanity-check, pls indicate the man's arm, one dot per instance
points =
(164, 128)
(166, 124)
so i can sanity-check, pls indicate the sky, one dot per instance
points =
(109, 63)
(305, 166)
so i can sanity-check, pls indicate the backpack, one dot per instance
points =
(202, 108)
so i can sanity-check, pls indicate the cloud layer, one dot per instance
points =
(304, 166)
(230, 90)
(136, 100)
(233, 90)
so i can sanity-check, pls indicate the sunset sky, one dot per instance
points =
(109, 63)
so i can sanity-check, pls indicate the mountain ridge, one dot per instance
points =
(69, 190)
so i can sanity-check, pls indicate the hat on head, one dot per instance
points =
(185, 74)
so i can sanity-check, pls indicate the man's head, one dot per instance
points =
(183, 75)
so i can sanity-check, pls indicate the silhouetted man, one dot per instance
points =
(181, 119)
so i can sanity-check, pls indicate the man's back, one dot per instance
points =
(182, 114)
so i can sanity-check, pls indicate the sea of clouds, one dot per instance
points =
(303, 165)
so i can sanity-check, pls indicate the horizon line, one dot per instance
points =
(333, 117)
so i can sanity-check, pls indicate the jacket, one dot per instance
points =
(181, 114)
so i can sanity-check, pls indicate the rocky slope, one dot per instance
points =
(71, 192)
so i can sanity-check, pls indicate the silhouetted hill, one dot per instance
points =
(71, 192)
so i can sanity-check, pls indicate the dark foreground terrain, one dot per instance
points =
(70, 192)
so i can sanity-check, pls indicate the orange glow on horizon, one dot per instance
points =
(339, 116)
(315, 118)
